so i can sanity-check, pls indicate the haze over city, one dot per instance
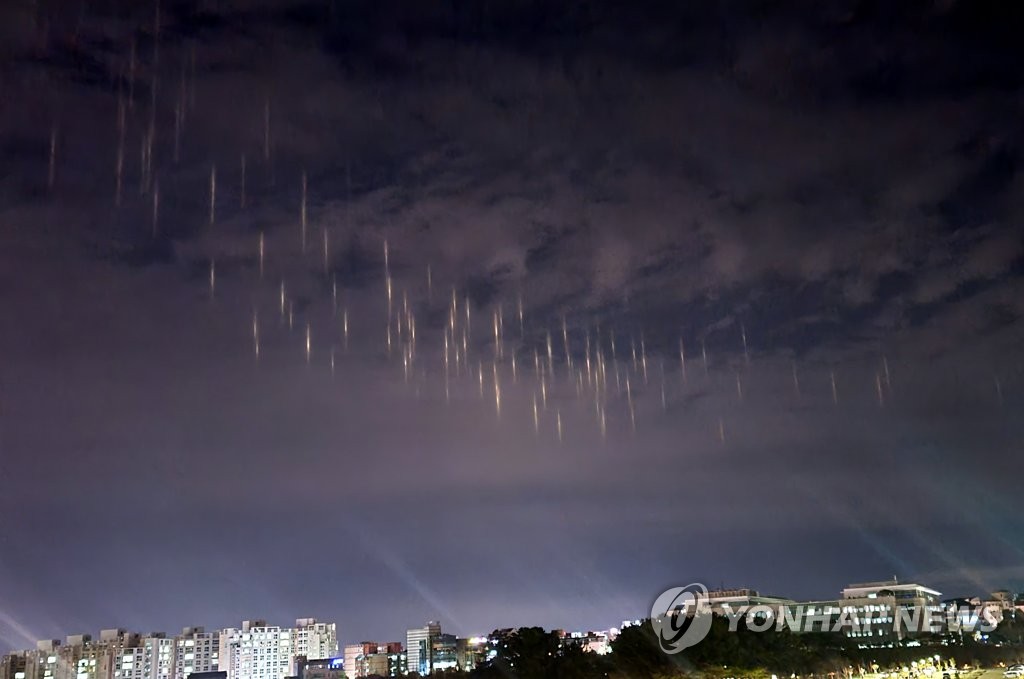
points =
(502, 313)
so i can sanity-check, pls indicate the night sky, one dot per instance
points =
(820, 201)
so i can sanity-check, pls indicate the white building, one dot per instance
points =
(256, 651)
(79, 657)
(725, 601)
(418, 646)
(592, 642)
(152, 658)
(314, 640)
(880, 607)
(196, 651)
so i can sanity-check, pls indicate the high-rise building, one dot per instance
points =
(196, 651)
(314, 640)
(154, 655)
(53, 660)
(256, 651)
(261, 651)
(79, 657)
(13, 666)
(427, 650)
(418, 645)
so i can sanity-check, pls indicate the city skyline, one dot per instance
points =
(729, 596)
(886, 617)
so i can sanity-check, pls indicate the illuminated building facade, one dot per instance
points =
(418, 645)
(196, 650)
(314, 640)
(256, 651)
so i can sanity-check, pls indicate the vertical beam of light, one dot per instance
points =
(519, 313)
(334, 295)
(629, 404)
(156, 207)
(213, 194)
(536, 415)
(262, 250)
(266, 129)
(327, 251)
(309, 342)
(51, 175)
(302, 214)
(344, 326)
(256, 334)
(643, 356)
(682, 360)
(119, 160)
(743, 336)
(497, 390)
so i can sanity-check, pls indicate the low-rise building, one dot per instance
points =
(590, 641)
(888, 611)
(472, 652)
(320, 668)
(367, 658)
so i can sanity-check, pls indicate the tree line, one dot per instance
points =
(535, 653)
